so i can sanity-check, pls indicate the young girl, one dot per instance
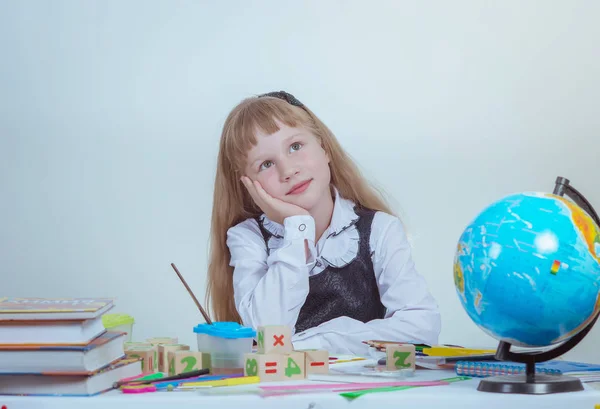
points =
(299, 238)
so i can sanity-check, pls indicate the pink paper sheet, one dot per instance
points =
(349, 386)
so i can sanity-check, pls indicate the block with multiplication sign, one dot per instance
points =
(187, 361)
(294, 365)
(149, 357)
(401, 356)
(163, 354)
(274, 339)
(317, 361)
(268, 367)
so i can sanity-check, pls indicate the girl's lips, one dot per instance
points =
(299, 188)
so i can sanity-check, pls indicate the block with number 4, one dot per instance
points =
(187, 361)
(317, 361)
(294, 365)
(274, 339)
(268, 367)
(401, 356)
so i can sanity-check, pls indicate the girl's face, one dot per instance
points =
(291, 165)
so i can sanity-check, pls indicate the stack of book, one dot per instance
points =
(59, 346)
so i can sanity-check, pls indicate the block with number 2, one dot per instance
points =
(187, 361)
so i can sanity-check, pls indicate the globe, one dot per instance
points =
(527, 269)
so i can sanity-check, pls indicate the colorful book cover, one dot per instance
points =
(52, 305)
(122, 361)
(501, 368)
(102, 339)
(79, 384)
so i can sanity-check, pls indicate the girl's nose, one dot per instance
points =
(289, 171)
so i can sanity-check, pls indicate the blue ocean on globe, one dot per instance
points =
(527, 269)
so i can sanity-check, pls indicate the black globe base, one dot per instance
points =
(540, 384)
(532, 382)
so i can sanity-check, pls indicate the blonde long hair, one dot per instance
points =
(231, 202)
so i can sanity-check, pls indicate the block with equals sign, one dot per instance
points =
(266, 366)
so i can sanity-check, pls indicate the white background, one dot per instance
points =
(110, 114)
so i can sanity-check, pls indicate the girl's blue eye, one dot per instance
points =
(265, 165)
(295, 146)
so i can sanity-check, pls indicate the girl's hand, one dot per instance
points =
(275, 209)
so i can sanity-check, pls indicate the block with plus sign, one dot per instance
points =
(268, 367)
(274, 339)
(149, 357)
(401, 356)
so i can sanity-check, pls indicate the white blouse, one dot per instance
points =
(270, 284)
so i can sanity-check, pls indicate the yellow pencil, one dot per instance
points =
(445, 351)
(245, 380)
(341, 361)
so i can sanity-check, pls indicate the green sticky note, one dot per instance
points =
(151, 377)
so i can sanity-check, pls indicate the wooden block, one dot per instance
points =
(317, 361)
(274, 339)
(133, 345)
(294, 365)
(163, 350)
(401, 356)
(186, 361)
(149, 357)
(163, 340)
(269, 367)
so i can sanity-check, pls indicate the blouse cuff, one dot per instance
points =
(299, 227)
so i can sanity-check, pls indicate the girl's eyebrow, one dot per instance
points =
(293, 136)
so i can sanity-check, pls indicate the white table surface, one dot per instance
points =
(459, 395)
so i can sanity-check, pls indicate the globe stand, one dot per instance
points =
(532, 382)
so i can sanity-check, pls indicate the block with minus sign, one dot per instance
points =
(317, 361)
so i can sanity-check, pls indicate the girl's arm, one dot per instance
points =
(270, 290)
(412, 313)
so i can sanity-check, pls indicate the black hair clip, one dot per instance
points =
(286, 96)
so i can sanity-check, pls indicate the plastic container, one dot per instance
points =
(227, 343)
(119, 323)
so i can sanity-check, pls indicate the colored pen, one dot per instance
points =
(245, 380)
(184, 375)
(174, 383)
(138, 379)
(159, 376)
